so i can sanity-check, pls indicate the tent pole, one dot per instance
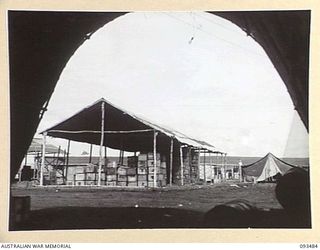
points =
(224, 169)
(155, 158)
(67, 163)
(210, 164)
(199, 155)
(90, 155)
(35, 166)
(171, 161)
(204, 168)
(181, 166)
(105, 156)
(101, 143)
(43, 157)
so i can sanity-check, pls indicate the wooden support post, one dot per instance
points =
(224, 161)
(67, 162)
(223, 167)
(106, 164)
(155, 158)
(181, 166)
(210, 164)
(101, 143)
(35, 166)
(171, 162)
(64, 167)
(240, 171)
(119, 160)
(199, 156)
(43, 157)
(105, 156)
(204, 168)
(90, 155)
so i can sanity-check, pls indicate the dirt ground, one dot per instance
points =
(54, 208)
(197, 198)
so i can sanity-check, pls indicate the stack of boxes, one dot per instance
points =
(146, 170)
(186, 165)
(190, 167)
(142, 170)
(194, 169)
(151, 169)
(79, 176)
(91, 176)
(132, 171)
(139, 172)
(111, 174)
(122, 177)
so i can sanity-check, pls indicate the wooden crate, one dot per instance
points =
(132, 161)
(142, 164)
(142, 157)
(91, 176)
(122, 178)
(103, 176)
(131, 171)
(110, 171)
(90, 168)
(80, 177)
(150, 156)
(142, 183)
(122, 171)
(91, 183)
(111, 183)
(122, 183)
(132, 178)
(142, 170)
(111, 178)
(79, 170)
(151, 164)
(80, 183)
(151, 184)
(132, 184)
(142, 177)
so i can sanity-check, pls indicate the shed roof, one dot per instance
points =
(123, 130)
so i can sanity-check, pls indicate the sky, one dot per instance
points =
(191, 71)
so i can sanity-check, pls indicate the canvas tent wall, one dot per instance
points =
(265, 168)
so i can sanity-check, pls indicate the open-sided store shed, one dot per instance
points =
(106, 125)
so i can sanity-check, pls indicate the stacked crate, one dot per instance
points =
(132, 171)
(190, 165)
(161, 171)
(111, 174)
(91, 176)
(79, 176)
(122, 177)
(142, 171)
(194, 169)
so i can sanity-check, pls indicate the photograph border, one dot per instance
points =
(163, 235)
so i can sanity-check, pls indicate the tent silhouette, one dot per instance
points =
(265, 168)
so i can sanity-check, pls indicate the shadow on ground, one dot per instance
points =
(137, 218)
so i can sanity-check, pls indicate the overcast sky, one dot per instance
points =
(194, 72)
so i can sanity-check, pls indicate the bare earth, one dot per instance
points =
(197, 198)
